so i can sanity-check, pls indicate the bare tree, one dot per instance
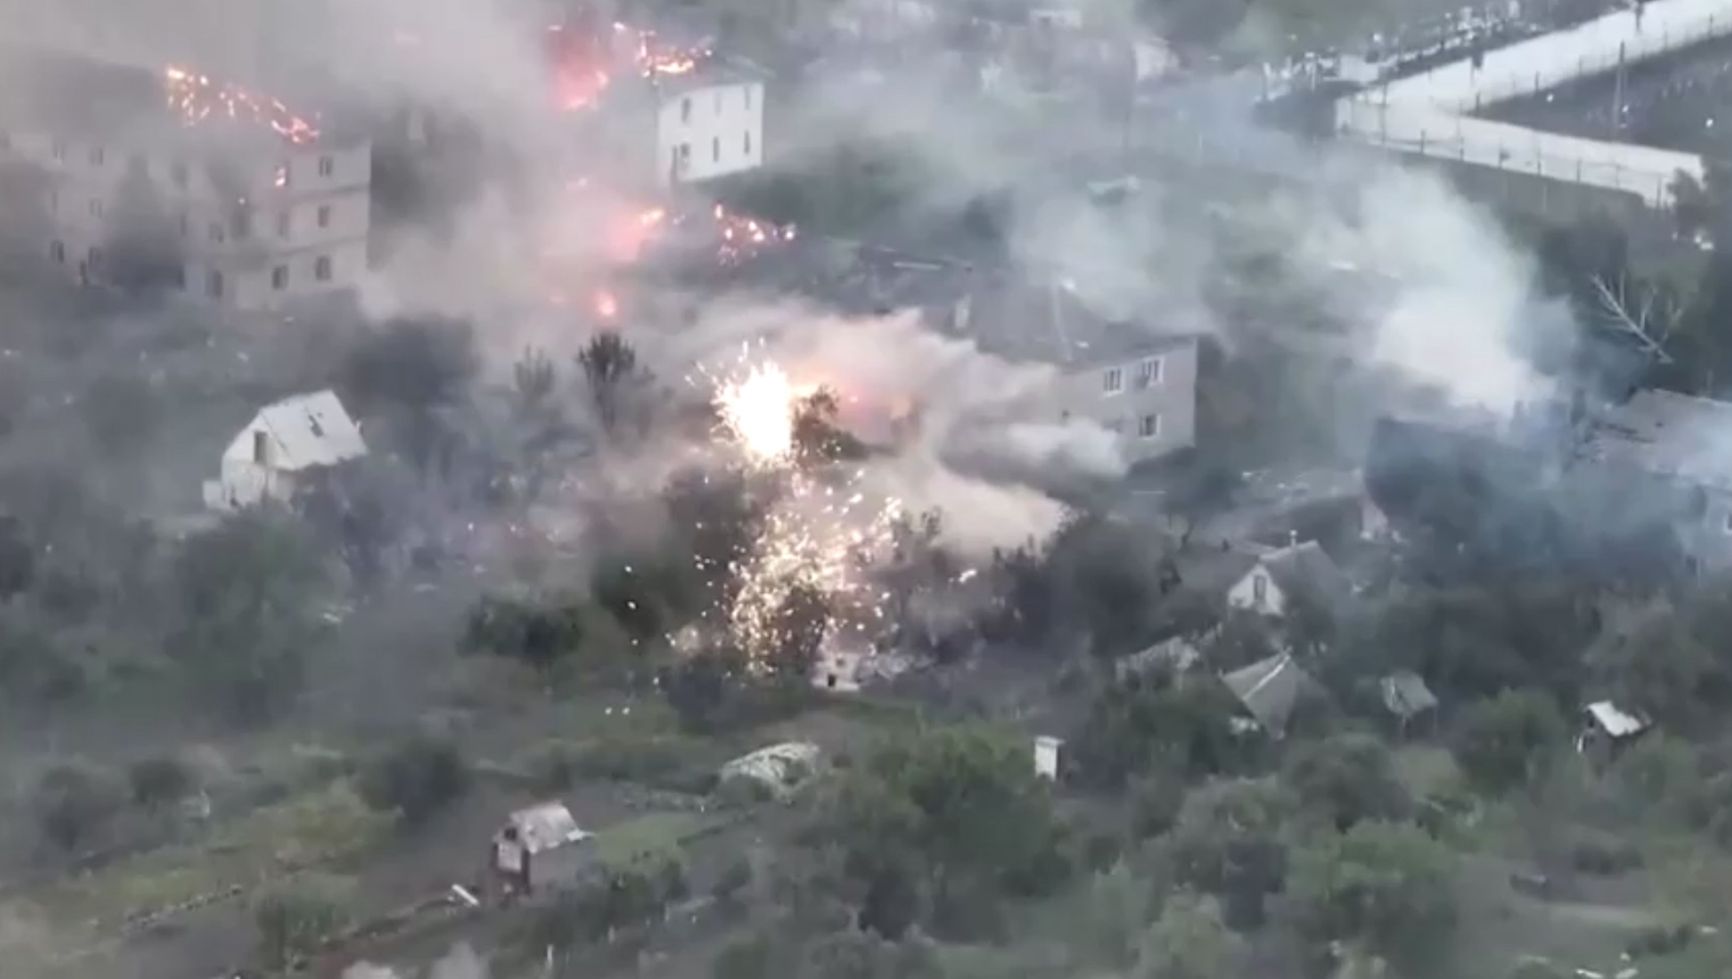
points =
(609, 364)
(1648, 319)
(533, 379)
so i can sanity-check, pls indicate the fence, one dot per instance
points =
(1550, 60)
(1644, 171)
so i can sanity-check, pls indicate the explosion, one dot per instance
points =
(819, 539)
(196, 97)
(757, 414)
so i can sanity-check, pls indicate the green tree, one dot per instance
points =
(1116, 916)
(609, 364)
(1509, 741)
(74, 802)
(1228, 842)
(1345, 778)
(247, 611)
(539, 634)
(1188, 941)
(1384, 887)
(416, 778)
(297, 917)
(817, 437)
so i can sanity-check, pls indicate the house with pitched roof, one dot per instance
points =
(1117, 367)
(1268, 691)
(1297, 572)
(285, 447)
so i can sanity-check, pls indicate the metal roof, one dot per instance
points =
(546, 826)
(313, 430)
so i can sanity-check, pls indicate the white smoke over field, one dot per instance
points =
(1462, 295)
(460, 963)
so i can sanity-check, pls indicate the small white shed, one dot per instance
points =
(541, 848)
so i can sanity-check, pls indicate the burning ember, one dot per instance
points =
(585, 61)
(606, 306)
(196, 97)
(820, 536)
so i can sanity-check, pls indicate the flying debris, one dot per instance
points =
(197, 97)
(821, 537)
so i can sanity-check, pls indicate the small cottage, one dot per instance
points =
(282, 449)
(1268, 691)
(541, 848)
(1299, 572)
(1607, 729)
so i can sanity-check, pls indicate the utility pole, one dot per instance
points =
(1618, 94)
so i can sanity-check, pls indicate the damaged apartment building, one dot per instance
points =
(142, 177)
(1636, 487)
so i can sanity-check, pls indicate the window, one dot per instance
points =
(327, 166)
(177, 173)
(324, 215)
(718, 102)
(748, 93)
(261, 448)
(1113, 381)
(686, 109)
(213, 284)
(97, 156)
(280, 278)
(746, 142)
(94, 257)
(57, 251)
(95, 207)
(1149, 426)
(58, 148)
(1259, 588)
(283, 224)
(1149, 372)
(716, 149)
(1729, 521)
(322, 268)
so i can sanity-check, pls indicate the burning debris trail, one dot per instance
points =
(820, 538)
(196, 97)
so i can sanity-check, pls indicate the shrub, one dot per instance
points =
(416, 778)
(74, 802)
(294, 919)
(160, 781)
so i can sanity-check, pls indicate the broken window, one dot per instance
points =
(746, 142)
(1259, 589)
(327, 166)
(322, 268)
(57, 251)
(1149, 426)
(686, 110)
(715, 149)
(324, 215)
(261, 448)
(1113, 381)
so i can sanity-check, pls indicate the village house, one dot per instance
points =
(1297, 572)
(118, 173)
(778, 770)
(283, 450)
(542, 849)
(1268, 692)
(1119, 370)
(1608, 729)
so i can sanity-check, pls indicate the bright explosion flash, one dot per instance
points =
(819, 539)
(757, 413)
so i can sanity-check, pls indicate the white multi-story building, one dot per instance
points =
(709, 124)
(236, 201)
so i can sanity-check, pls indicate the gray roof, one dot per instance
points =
(1406, 695)
(1269, 689)
(1306, 569)
(546, 826)
(1055, 323)
(1178, 653)
(1668, 434)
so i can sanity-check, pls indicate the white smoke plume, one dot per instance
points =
(460, 963)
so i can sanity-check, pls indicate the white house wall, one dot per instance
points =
(1243, 595)
(723, 129)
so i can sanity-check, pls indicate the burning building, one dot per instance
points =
(165, 176)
